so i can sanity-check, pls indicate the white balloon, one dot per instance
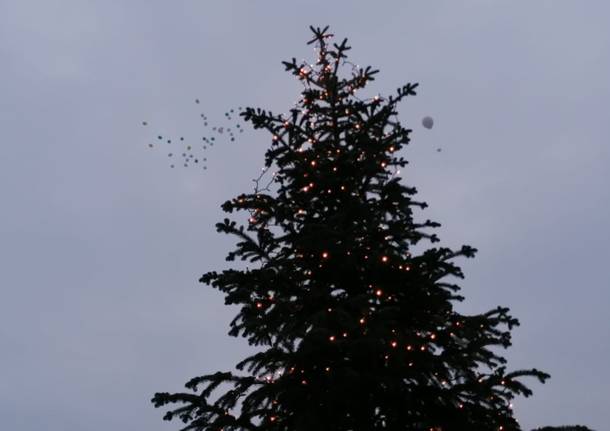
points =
(427, 122)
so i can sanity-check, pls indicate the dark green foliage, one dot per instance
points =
(355, 332)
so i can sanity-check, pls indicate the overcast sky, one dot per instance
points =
(102, 244)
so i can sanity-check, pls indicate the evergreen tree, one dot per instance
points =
(355, 332)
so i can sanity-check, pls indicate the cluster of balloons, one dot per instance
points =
(192, 154)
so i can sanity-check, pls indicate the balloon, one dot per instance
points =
(427, 122)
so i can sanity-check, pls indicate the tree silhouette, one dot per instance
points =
(355, 331)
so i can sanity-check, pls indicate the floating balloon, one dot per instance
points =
(427, 122)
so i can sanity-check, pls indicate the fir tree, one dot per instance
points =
(355, 332)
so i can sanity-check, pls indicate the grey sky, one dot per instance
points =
(101, 244)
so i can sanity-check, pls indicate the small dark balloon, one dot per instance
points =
(196, 161)
(171, 166)
(169, 154)
(150, 145)
(438, 150)
(196, 100)
(181, 138)
(169, 141)
(144, 123)
(205, 160)
(159, 137)
(188, 148)
(205, 124)
(427, 122)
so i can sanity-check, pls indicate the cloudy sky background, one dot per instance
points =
(101, 243)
